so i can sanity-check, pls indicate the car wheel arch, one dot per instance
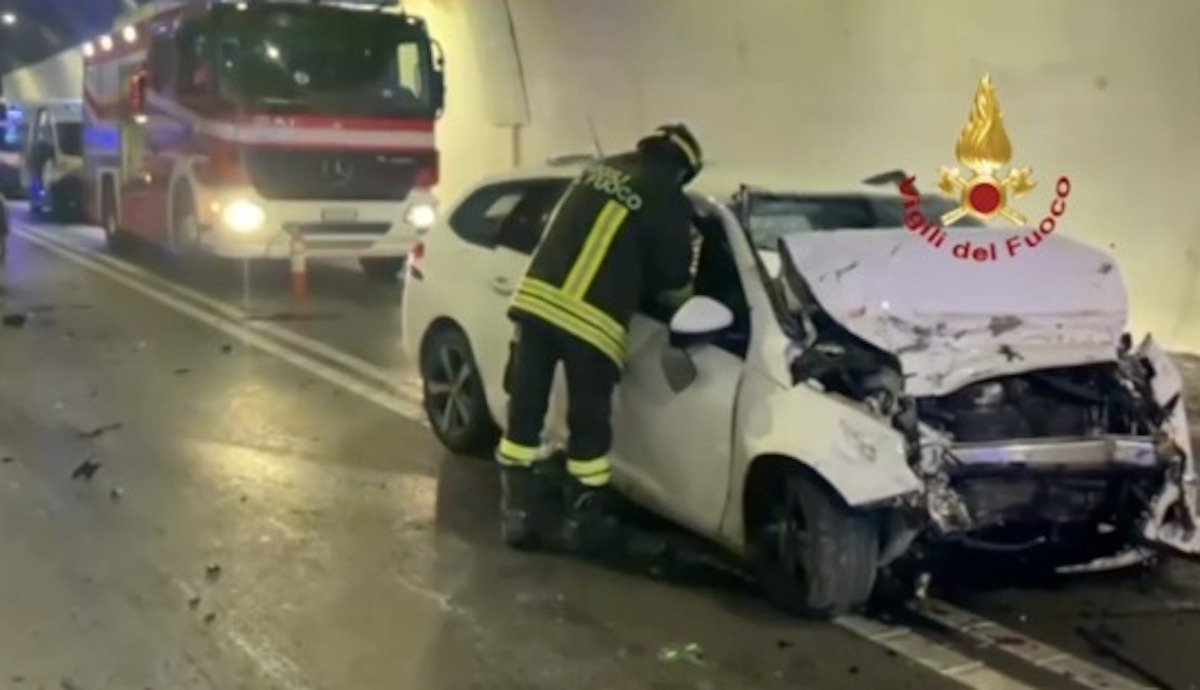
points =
(765, 474)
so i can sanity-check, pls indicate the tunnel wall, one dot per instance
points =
(58, 76)
(825, 91)
(822, 92)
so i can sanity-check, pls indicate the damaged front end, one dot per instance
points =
(1050, 436)
(1081, 462)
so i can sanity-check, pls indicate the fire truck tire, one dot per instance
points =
(382, 270)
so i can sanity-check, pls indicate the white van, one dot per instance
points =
(53, 159)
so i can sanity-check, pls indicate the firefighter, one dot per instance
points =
(622, 230)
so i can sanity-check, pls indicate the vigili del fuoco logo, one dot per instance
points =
(985, 192)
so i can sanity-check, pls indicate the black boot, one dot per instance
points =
(530, 505)
(592, 525)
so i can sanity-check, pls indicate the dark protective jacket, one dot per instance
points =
(624, 226)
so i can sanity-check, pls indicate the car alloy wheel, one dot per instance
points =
(454, 399)
(447, 390)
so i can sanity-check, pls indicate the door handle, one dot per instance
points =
(502, 285)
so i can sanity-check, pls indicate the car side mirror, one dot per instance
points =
(698, 318)
(701, 316)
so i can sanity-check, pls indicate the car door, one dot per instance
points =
(672, 450)
(502, 224)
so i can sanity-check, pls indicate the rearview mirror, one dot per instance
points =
(701, 315)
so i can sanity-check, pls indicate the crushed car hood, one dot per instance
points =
(953, 321)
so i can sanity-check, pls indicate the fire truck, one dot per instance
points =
(246, 129)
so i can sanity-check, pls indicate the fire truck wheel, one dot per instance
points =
(383, 271)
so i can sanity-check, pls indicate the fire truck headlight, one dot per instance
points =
(421, 216)
(243, 216)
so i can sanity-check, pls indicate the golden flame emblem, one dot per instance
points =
(984, 148)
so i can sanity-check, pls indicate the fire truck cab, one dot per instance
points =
(238, 128)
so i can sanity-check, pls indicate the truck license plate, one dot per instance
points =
(339, 215)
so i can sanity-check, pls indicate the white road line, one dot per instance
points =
(402, 406)
(938, 658)
(405, 386)
(995, 636)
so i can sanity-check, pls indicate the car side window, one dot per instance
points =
(482, 216)
(523, 228)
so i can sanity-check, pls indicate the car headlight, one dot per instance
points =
(243, 216)
(421, 216)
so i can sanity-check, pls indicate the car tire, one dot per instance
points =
(813, 555)
(382, 270)
(453, 395)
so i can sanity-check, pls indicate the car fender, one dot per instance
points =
(1174, 521)
(858, 453)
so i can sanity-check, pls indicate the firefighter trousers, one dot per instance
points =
(592, 377)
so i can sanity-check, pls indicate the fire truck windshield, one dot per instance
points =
(294, 59)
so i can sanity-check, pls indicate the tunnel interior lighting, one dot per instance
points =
(8, 18)
(106, 43)
(129, 33)
(89, 49)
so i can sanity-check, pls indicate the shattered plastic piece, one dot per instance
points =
(116, 493)
(212, 571)
(86, 469)
(194, 603)
(209, 618)
(691, 652)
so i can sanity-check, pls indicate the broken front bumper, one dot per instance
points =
(1064, 481)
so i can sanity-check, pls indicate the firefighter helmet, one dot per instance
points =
(677, 141)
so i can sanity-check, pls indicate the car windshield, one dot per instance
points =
(776, 216)
(70, 138)
(306, 59)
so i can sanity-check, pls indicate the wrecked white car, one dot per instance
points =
(839, 397)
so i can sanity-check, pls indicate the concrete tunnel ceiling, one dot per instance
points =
(33, 30)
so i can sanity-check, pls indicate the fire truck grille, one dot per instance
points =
(334, 175)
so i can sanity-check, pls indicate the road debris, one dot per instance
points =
(212, 571)
(691, 653)
(209, 618)
(7, 459)
(226, 349)
(69, 684)
(182, 370)
(101, 430)
(194, 603)
(15, 320)
(86, 469)
(116, 494)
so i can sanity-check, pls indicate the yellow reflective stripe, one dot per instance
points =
(594, 316)
(692, 154)
(595, 247)
(510, 453)
(556, 314)
(596, 472)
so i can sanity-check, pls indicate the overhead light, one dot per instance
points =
(8, 18)
(129, 33)
(105, 43)
(89, 49)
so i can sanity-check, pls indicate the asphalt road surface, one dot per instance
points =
(205, 484)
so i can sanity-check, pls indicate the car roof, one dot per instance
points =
(716, 181)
